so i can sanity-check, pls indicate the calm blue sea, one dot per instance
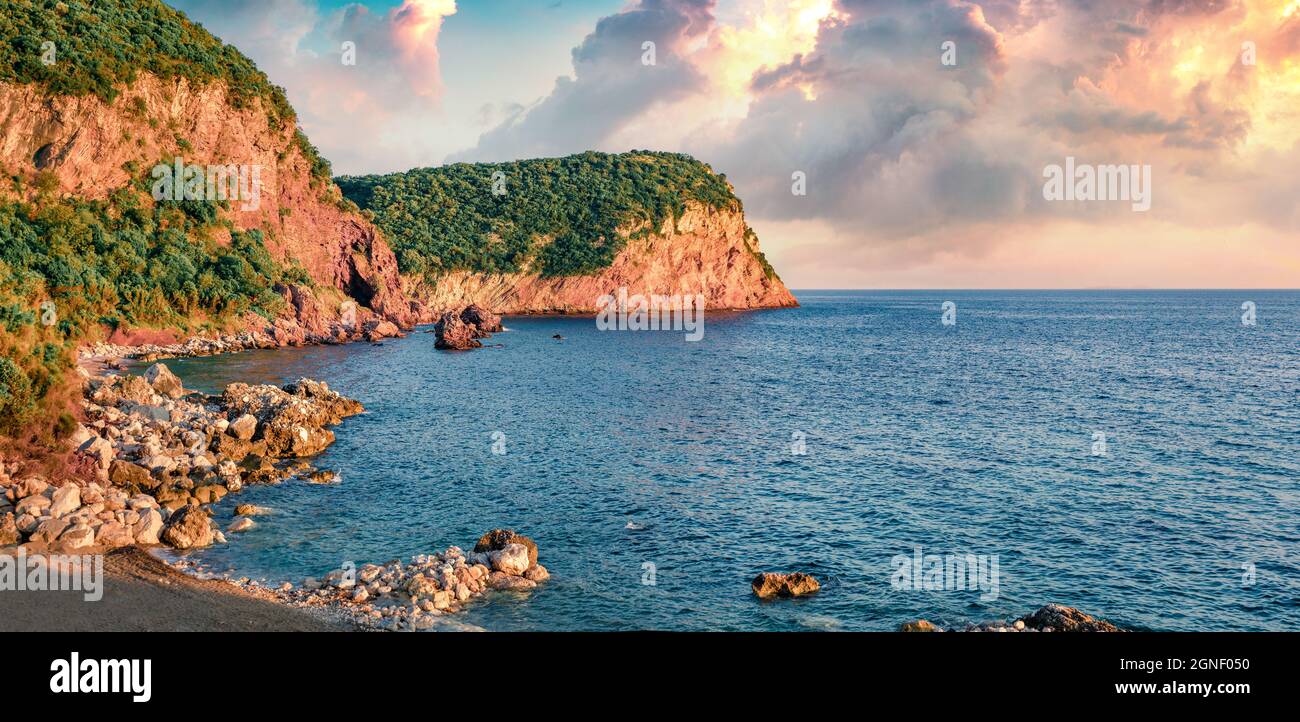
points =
(630, 449)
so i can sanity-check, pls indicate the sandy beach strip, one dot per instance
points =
(144, 594)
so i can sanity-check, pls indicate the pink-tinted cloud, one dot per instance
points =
(375, 112)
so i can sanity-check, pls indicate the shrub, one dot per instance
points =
(101, 44)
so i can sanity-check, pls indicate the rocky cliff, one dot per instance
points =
(553, 235)
(93, 147)
(707, 251)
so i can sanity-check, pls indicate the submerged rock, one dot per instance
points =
(796, 584)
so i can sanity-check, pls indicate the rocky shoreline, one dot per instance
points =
(416, 595)
(284, 332)
(152, 459)
(1051, 618)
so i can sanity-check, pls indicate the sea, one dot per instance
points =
(958, 456)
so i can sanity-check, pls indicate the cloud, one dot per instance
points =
(395, 84)
(882, 130)
(614, 82)
(910, 163)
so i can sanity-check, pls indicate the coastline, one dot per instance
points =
(140, 579)
(143, 593)
(152, 459)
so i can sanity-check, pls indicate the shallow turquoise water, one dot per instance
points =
(975, 438)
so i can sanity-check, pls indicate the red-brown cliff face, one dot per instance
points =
(93, 147)
(706, 252)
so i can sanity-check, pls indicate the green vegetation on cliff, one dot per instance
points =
(70, 266)
(557, 216)
(97, 47)
(99, 44)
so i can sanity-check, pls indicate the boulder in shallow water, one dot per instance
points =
(1060, 618)
(499, 538)
(188, 527)
(291, 420)
(537, 573)
(768, 585)
(504, 582)
(512, 559)
(920, 625)
(484, 321)
(164, 382)
(380, 328)
(453, 334)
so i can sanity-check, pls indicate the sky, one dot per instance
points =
(875, 143)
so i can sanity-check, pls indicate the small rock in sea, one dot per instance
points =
(483, 320)
(537, 573)
(499, 538)
(243, 523)
(503, 582)
(249, 510)
(920, 625)
(558, 337)
(1020, 624)
(796, 584)
(1060, 618)
(323, 476)
(512, 560)
(454, 334)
